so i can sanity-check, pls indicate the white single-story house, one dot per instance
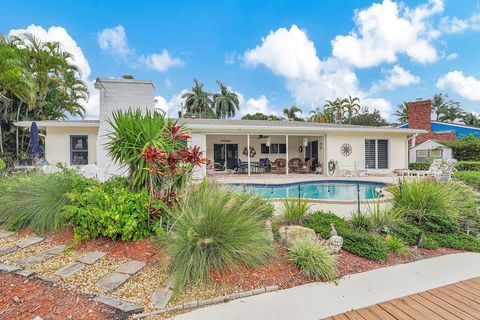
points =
(225, 142)
(430, 150)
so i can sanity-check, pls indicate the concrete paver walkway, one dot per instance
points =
(321, 300)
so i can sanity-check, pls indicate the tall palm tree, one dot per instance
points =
(335, 107)
(197, 101)
(226, 102)
(450, 114)
(351, 106)
(471, 119)
(441, 103)
(402, 112)
(291, 113)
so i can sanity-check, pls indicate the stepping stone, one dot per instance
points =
(4, 234)
(56, 250)
(130, 267)
(25, 273)
(112, 281)
(161, 297)
(70, 269)
(7, 250)
(8, 268)
(50, 253)
(28, 242)
(122, 305)
(92, 257)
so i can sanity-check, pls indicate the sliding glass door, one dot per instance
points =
(225, 154)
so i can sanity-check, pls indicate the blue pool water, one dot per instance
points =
(323, 190)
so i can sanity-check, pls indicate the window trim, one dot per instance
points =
(79, 136)
(377, 153)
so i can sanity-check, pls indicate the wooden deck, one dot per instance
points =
(456, 301)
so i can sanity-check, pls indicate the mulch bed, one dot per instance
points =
(22, 298)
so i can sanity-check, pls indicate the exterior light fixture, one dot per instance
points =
(305, 142)
(269, 142)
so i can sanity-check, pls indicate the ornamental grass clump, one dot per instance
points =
(215, 229)
(295, 209)
(314, 260)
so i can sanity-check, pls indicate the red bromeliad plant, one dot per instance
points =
(169, 169)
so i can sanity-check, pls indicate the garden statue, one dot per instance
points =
(335, 241)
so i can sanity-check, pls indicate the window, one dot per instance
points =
(78, 150)
(436, 153)
(275, 148)
(376, 154)
(422, 153)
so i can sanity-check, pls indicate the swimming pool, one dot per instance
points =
(321, 190)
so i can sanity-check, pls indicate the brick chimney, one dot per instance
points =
(420, 115)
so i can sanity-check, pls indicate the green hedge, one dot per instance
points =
(409, 233)
(361, 243)
(468, 166)
(471, 178)
(466, 149)
(460, 241)
(419, 166)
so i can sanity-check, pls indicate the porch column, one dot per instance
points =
(248, 153)
(286, 154)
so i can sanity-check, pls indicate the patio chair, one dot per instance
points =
(240, 166)
(358, 170)
(50, 169)
(307, 166)
(433, 171)
(295, 164)
(89, 171)
(279, 165)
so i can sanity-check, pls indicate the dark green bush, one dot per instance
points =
(409, 233)
(216, 228)
(361, 243)
(361, 221)
(468, 166)
(110, 210)
(460, 241)
(466, 149)
(419, 166)
(472, 178)
(36, 200)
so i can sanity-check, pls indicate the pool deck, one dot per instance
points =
(341, 208)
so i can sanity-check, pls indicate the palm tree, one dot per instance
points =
(450, 114)
(351, 106)
(291, 113)
(335, 107)
(320, 115)
(441, 103)
(197, 101)
(402, 112)
(226, 102)
(471, 119)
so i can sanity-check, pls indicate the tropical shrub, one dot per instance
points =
(36, 200)
(409, 234)
(396, 246)
(382, 218)
(460, 241)
(109, 210)
(215, 228)
(435, 206)
(314, 260)
(361, 243)
(419, 166)
(361, 221)
(466, 149)
(472, 178)
(134, 130)
(295, 209)
(3, 166)
(468, 166)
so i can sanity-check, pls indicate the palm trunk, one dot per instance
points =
(1, 138)
(17, 130)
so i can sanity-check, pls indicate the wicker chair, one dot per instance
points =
(279, 165)
(306, 167)
(294, 165)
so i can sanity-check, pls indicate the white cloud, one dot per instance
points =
(395, 77)
(387, 29)
(466, 86)
(232, 57)
(160, 61)
(254, 105)
(172, 106)
(60, 34)
(114, 40)
(456, 25)
(452, 56)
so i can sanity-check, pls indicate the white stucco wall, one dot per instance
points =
(397, 150)
(57, 143)
(198, 139)
(119, 94)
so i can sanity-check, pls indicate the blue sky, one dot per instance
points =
(273, 53)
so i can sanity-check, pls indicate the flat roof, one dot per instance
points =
(244, 126)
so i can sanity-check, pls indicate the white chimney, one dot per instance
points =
(119, 94)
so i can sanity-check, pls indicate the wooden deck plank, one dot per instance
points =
(458, 301)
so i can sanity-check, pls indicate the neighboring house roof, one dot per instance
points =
(430, 144)
(246, 126)
(460, 129)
